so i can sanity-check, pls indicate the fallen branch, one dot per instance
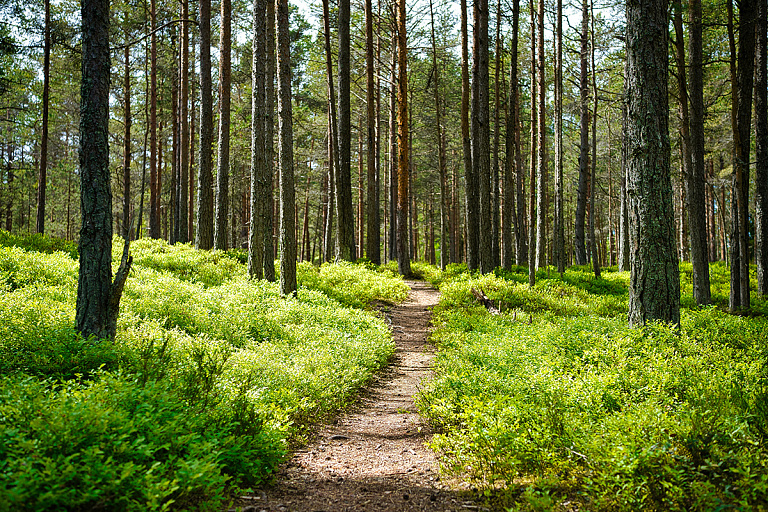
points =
(485, 301)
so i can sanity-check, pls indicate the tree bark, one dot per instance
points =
(593, 171)
(372, 248)
(222, 172)
(393, 151)
(481, 135)
(204, 221)
(654, 292)
(495, 217)
(183, 183)
(445, 242)
(533, 151)
(697, 200)
(333, 153)
(98, 297)
(345, 227)
(559, 226)
(579, 242)
(470, 176)
(285, 117)
(512, 171)
(541, 153)
(269, 152)
(43, 177)
(259, 166)
(761, 149)
(154, 191)
(126, 144)
(403, 254)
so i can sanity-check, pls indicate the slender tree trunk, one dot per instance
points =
(559, 227)
(533, 151)
(593, 171)
(580, 250)
(697, 200)
(360, 195)
(328, 249)
(126, 144)
(480, 187)
(444, 221)
(222, 173)
(495, 218)
(393, 248)
(154, 191)
(654, 291)
(471, 179)
(372, 248)
(761, 150)
(345, 227)
(98, 297)
(183, 182)
(512, 171)
(204, 233)
(269, 152)
(192, 130)
(541, 161)
(43, 177)
(260, 168)
(403, 256)
(285, 117)
(333, 153)
(623, 204)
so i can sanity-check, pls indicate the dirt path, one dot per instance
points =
(374, 458)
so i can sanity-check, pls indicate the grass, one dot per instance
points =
(556, 402)
(211, 377)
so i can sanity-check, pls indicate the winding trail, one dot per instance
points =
(374, 457)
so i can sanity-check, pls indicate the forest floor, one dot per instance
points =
(374, 457)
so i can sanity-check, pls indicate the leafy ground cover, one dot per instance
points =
(211, 377)
(556, 403)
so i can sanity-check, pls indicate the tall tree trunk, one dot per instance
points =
(269, 152)
(98, 297)
(481, 135)
(183, 181)
(580, 249)
(697, 200)
(623, 203)
(654, 290)
(393, 151)
(154, 190)
(285, 117)
(471, 179)
(43, 177)
(260, 168)
(559, 226)
(541, 161)
(126, 143)
(593, 171)
(345, 227)
(191, 178)
(495, 217)
(403, 255)
(329, 247)
(222, 173)
(742, 108)
(533, 151)
(204, 221)
(512, 171)
(333, 153)
(445, 242)
(685, 122)
(372, 248)
(761, 149)
(359, 253)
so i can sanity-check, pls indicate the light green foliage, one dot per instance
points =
(353, 284)
(558, 398)
(211, 376)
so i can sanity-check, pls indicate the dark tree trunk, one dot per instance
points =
(260, 168)
(541, 153)
(533, 151)
(403, 255)
(559, 226)
(580, 249)
(393, 151)
(623, 206)
(444, 216)
(126, 144)
(593, 171)
(333, 153)
(43, 178)
(472, 195)
(345, 227)
(481, 133)
(761, 149)
(328, 248)
(204, 221)
(183, 182)
(222, 173)
(98, 298)
(654, 291)
(697, 201)
(269, 154)
(495, 213)
(512, 171)
(285, 119)
(154, 190)
(372, 248)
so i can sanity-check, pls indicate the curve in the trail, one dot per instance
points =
(373, 458)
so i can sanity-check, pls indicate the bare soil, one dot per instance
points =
(375, 456)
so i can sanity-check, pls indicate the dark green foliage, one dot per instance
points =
(38, 242)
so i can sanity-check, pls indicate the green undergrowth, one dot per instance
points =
(556, 403)
(212, 376)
